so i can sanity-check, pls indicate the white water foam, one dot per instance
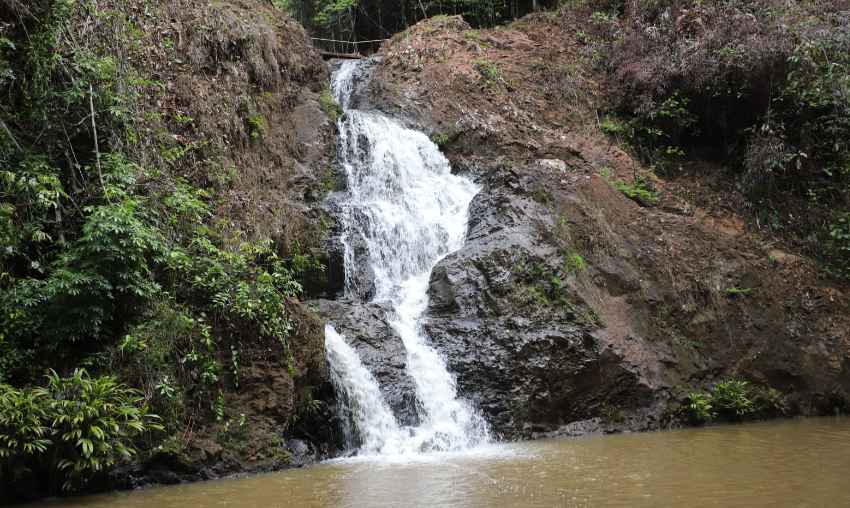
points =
(410, 212)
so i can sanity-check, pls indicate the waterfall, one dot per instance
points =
(410, 211)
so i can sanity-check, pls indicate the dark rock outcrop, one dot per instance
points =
(525, 344)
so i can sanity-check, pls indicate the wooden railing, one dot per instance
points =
(332, 48)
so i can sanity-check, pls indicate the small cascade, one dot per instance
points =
(361, 398)
(410, 211)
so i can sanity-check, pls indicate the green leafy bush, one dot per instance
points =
(70, 292)
(440, 139)
(24, 430)
(735, 399)
(489, 71)
(72, 429)
(768, 402)
(574, 263)
(94, 424)
(700, 407)
(731, 398)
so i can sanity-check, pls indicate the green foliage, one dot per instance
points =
(655, 132)
(734, 399)
(736, 291)
(364, 20)
(331, 11)
(768, 402)
(74, 428)
(840, 245)
(489, 71)
(248, 286)
(257, 126)
(24, 429)
(440, 139)
(329, 105)
(542, 289)
(130, 251)
(307, 406)
(574, 263)
(613, 126)
(68, 290)
(700, 407)
(731, 398)
(638, 191)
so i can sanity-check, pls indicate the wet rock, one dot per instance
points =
(524, 351)
(441, 292)
(381, 350)
(301, 453)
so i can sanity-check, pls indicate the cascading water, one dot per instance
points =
(410, 212)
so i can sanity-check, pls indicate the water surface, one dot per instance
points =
(795, 463)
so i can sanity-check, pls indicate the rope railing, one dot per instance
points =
(350, 49)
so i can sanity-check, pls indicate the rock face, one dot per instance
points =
(562, 307)
(524, 343)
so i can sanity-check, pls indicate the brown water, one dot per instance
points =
(790, 463)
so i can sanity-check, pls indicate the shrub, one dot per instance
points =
(257, 126)
(614, 126)
(24, 430)
(638, 191)
(735, 399)
(768, 402)
(94, 424)
(574, 263)
(72, 429)
(489, 71)
(700, 407)
(440, 139)
(731, 398)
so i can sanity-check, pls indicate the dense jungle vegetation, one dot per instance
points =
(122, 293)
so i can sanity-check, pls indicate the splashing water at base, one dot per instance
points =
(410, 212)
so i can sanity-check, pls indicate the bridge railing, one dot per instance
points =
(350, 49)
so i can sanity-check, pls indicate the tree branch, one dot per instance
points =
(96, 144)
(11, 136)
